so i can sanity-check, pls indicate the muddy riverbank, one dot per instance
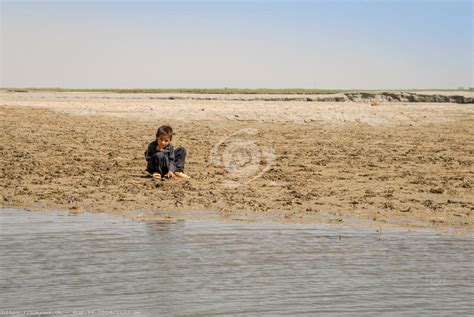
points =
(405, 165)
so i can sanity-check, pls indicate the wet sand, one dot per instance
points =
(388, 163)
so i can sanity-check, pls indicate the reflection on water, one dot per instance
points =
(58, 263)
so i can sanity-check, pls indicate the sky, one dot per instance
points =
(240, 44)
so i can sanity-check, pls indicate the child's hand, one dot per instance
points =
(170, 174)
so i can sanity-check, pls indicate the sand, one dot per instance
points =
(402, 164)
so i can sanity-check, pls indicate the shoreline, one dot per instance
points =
(260, 218)
(411, 169)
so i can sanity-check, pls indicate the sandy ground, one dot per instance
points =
(346, 163)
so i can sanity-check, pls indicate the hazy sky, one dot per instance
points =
(308, 44)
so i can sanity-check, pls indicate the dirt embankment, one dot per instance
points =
(409, 97)
(355, 97)
(225, 108)
(461, 97)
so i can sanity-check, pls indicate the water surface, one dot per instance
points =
(57, 263)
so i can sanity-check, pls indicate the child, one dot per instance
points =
(163, 160)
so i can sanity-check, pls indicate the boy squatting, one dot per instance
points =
(162, 159)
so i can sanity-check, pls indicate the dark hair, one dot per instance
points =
(165, 130)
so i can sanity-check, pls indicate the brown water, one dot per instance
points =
(58, 264)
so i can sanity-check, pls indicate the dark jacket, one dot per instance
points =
(168, 151)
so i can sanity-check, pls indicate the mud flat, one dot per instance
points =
(350, 162)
